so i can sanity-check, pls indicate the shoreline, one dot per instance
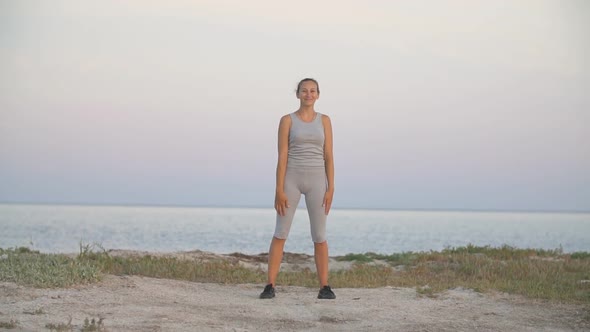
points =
(251, 254)
(261, 207)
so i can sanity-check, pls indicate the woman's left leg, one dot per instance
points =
(314, 197)
(321, 262)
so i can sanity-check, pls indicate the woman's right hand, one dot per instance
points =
(281, 203)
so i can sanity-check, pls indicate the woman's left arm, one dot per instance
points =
(329, 162)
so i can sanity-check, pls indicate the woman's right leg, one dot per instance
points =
(275, 256)
(283, 225)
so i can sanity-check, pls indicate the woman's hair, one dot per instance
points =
(308, 80)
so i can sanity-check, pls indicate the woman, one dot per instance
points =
(305, 166)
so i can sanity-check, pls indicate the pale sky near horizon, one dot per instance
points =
(435, 104)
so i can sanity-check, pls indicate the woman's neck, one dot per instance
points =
(306, 114)
(306, 110)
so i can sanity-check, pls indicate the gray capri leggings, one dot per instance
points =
(313, 184)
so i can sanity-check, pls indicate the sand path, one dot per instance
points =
(147, 304)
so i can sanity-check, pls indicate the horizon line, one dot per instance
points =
(270, 207)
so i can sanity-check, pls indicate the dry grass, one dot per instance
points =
(12, 324)
(542, 274)
(60, 327)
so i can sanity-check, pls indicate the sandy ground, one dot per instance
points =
(130, 303)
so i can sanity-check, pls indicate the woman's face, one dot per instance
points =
(308, 93)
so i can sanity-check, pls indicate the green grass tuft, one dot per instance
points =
(404, 258)
(361, 258)
(580, 255)
(45, 270)
(93, 325)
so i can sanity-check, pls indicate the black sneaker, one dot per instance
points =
(268, 292)
(326, 293)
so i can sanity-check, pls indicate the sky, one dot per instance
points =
(474, 105)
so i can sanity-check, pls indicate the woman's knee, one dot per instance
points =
(318, 238)
(279, 239)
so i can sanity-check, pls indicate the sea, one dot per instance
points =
(65, 228)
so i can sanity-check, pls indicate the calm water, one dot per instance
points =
(55, 228)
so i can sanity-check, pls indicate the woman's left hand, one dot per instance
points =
(328, 201)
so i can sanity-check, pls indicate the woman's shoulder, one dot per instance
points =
(286, 119)
(325, 118)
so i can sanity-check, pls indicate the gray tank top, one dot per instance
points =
(306, 142)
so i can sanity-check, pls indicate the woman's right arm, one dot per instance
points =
(281, 203)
